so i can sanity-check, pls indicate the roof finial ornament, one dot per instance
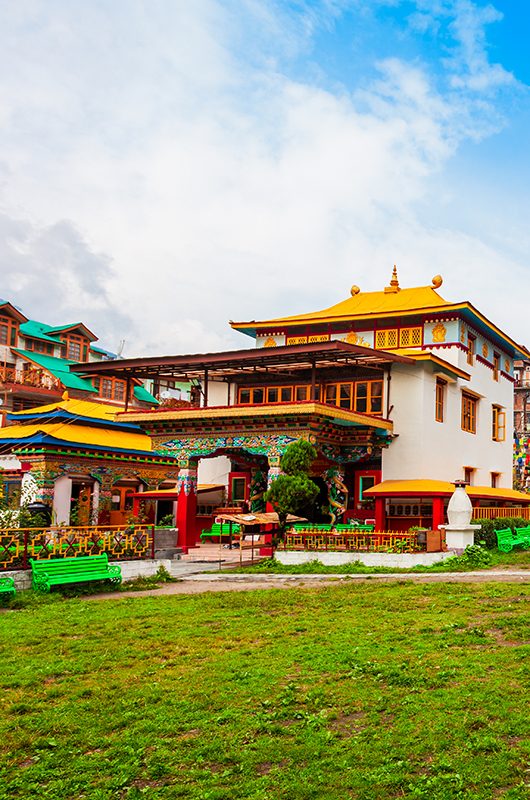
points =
(394, 283)
(354, 290)
(437, 281)
(66, 395)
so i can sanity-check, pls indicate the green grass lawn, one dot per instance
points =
(349, 691)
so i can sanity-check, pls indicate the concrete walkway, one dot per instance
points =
(197, 583)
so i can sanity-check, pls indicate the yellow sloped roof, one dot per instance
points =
(425, 486)
(81, 408)
(364, 304)
(80, 434)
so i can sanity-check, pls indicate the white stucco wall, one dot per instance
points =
(440, 450)
(217, 393)
(61, 500)
(214, 470)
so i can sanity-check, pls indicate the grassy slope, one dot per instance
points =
(394, 691)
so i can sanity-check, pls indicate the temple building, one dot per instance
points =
(401, 392)
(79, 460)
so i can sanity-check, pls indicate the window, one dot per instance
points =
(76, 347)
(286, 394)
(331, 394)
(495, 479)
(37, 346)
(469, 413)
(386, 340)
(272, 394)
(73, 351)
(239, 489)
(469, 475)
(410, 337)
(119, 391)
(369, 397)
(498, 424)
(106, 388)
(496, 366)
(8, 331)
(471, 341)
(345, 395)
(439, 406)
(365, 482)
(302, 393)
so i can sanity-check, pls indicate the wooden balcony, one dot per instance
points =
(33, 378)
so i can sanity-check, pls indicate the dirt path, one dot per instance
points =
(197, 584)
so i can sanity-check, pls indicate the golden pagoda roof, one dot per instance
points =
(391, 301)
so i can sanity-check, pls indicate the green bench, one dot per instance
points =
(354, 528)
(59, 571)
(508, 539)
(7, 585)
(218, 530)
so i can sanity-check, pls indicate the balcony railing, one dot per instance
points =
(492, 512)
(36, 378)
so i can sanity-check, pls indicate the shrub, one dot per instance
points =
(473, 556)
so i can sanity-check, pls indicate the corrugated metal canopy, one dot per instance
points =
(270, 360)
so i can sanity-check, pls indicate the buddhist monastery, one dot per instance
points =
(401, 391)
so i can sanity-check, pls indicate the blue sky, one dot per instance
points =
(167, 165)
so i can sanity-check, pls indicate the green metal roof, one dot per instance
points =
(141, 394)
(103, 352)
(58, 367)
(38, 330)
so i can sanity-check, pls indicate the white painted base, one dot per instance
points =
(457, 538)
(403, 560)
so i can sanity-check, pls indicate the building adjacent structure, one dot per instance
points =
(35, 361)
(401, 392)
(82, 462)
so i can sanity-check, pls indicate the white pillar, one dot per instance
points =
(62, 497)
(95, 504)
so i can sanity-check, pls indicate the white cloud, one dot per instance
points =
(216, 185)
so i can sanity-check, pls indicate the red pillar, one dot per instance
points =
(136, 507)
(380, 515)
(438, 516)
(187, 509)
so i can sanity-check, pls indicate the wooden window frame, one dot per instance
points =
(468, 419)
(73, 339)
(410, 330)
(471, 349)
(439, 400)
(386, 334)
(469, 475)
(496, 366)
(10, 326)
(323, 394)
(498, 423)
